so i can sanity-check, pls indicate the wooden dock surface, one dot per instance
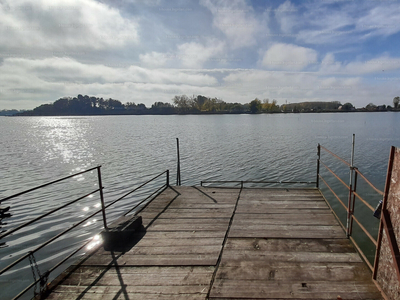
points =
(219, 243)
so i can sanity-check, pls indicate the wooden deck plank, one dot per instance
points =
(284, 203)
(287, 231)
(188, 227)
(115, 276)
(244, 289)
(182, 234)
(195, 259)
(167, 242)
(306, 272)
(244, 220)
(189, 214)
(232, 258)
(302, 245)
(215, 221)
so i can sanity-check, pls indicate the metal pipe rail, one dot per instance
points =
(101, 210)
(353, 194)
(49, 183)
(242, 182)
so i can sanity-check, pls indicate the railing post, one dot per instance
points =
(319, 157)
(103, 210)
(178, 172)
(349, 205)
(167, 178)
(353, 204)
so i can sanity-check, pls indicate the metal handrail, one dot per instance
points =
(242, 182)
(334, 155)
(370, 184)
(337, 197)
(45, 215)
(49, 183)
(102, 209)
(333, 173)
(352, 196)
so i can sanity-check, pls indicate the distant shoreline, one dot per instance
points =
(195, 113)
(184, 105)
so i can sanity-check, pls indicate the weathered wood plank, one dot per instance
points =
(284, 203)
(104, 277)
(240, 289)
(215, 221)
(287, 231)
(190, 214)
(290, 245)
(175, 250)
(244, 220)
(145, 290)
(201, 205)
(188, 227)
(167, 242)
(182, 234)
(287, 271)
(154, 260)
(233, 258)
(267, 209)
(123, 295)
(257, 212)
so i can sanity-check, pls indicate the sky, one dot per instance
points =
(146, 51)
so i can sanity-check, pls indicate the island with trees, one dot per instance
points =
(182, 104)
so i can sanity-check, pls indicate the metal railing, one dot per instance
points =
(243, 182)
(30, 254)
(353, 195)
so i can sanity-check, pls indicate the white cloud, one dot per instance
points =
(194, 55)
(286, 16)
(236, 20)
(288, 57)
(378, 65)
(64, 25)
(153, 59)
(380, 21)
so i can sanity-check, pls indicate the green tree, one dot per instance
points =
(347, 106)
(371, 106)
(255, 106)
(396, 101)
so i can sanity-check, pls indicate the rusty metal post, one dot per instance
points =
(349, 204)
(178, 172)
(384, 207)
(318, 159)
(103, 210)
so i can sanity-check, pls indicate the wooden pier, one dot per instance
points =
(220, 243)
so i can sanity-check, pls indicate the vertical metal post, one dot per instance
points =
(103, 210)
(319, 157)
(167, 178)
(349, 204)
(353, 204)
(178, 172)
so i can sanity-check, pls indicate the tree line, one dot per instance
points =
(182, 104)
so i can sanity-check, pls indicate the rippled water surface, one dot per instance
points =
(36, 150)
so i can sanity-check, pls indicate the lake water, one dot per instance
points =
(36, 150)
